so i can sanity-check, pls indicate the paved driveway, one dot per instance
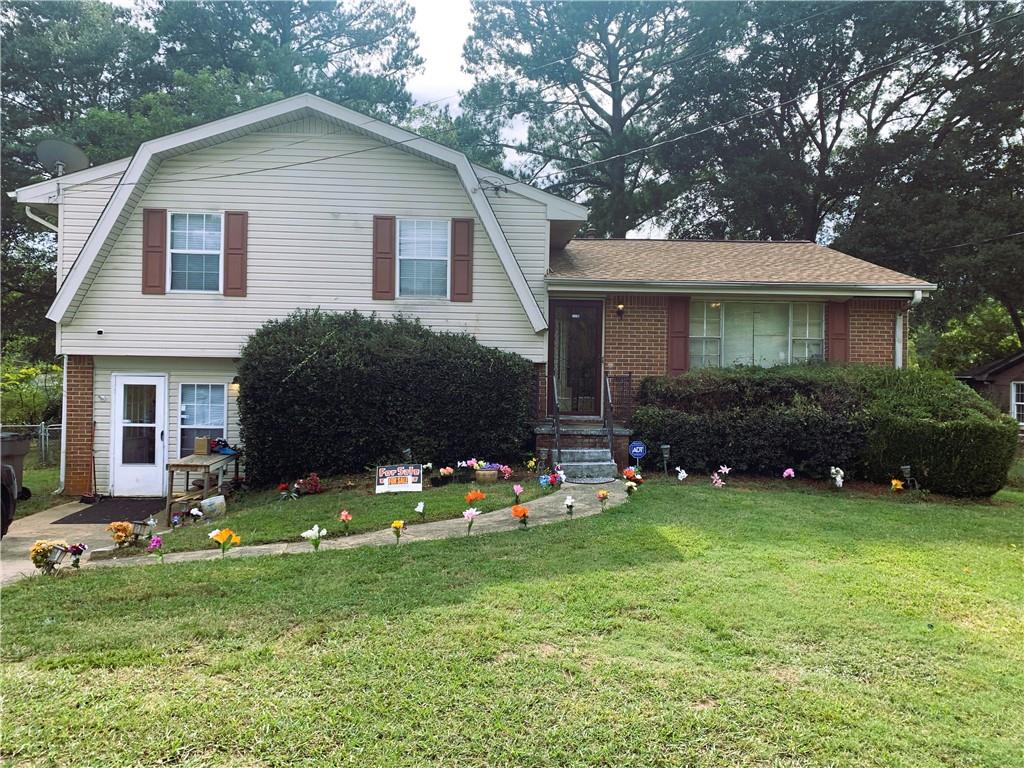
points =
(14, 562)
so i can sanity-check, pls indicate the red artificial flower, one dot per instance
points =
(282, 487)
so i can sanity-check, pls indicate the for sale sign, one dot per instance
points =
(395, 478)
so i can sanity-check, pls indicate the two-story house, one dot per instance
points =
(169, 259)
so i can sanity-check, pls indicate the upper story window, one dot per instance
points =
(196, 249)
(423, 254)
(755, 333)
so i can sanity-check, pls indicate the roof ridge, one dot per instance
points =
(686, 240)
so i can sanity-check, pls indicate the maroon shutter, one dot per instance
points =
(383, 257)
(678, 335)
(154, 250)
(236, 252)
(462, 260)
(838, 324)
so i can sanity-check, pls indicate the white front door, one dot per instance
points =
(139, 424)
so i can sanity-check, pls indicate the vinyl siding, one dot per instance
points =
(178, 371)
(81, 205)
(310, 236)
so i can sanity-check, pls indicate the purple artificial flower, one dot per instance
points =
(789, 472)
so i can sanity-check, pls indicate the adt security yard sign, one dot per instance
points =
(637, 449)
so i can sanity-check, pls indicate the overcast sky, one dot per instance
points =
(442, 26)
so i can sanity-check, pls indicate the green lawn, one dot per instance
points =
(757, 625)
(42, 481)
(260, 517)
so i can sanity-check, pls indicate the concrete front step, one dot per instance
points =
(585, 454)
(588, 470)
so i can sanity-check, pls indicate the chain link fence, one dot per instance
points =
(46, 440)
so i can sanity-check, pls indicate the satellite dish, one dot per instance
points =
(60, 157)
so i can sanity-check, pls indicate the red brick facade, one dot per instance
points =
(78, 426)
(637, 342)
(873, 330)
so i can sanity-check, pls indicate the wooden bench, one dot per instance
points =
(206, 465)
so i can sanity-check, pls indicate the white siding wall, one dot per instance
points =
(310, 236)
(81, 205)
(179, 371)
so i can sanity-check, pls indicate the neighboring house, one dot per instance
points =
(1002, 382)
(168, 261)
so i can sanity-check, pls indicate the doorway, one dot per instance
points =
(139, 444)
(574, 352)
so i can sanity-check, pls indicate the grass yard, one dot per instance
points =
(261, 517)
(42, 481)
(756, 625)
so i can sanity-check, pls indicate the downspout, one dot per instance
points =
(899, 329)
(39, 219)
(63, 427)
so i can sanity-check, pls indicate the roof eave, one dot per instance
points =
(900, 291)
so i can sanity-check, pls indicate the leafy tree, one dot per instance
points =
(834, 92)
(984, 334)
(590, 80)
(480, 142)
(356, 52)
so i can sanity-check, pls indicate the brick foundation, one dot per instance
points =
(78, 426)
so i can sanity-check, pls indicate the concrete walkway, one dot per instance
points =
(14, 562)
(25, 531)
(543, 511)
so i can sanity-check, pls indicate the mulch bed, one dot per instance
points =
(109, 510)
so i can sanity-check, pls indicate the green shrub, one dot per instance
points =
(335, 393)
(30, 392)
(868, 420)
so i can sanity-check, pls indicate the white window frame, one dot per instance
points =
(721, 329)
(789, 343)
(1014, 402)
(219, 253)
(181, 426)
(398, 260)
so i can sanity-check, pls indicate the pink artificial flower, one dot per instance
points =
(155, 543)
(789, 473)
(517, 489)
(724, 469)
(717, 481)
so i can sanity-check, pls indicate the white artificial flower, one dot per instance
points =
(428, 466)
(151, 522)
(213, 533)
(419, 508)
(313, 533)
(681, 474)
(569, 501)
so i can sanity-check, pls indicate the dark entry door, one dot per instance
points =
(574, 350)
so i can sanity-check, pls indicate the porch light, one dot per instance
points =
(620, 310)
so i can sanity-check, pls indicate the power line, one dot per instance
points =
(973, 243)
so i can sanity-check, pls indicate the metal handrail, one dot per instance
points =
(557, 420)
(609, 411)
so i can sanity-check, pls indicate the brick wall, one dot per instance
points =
(873, 330)
(637, 342)
(78, 426)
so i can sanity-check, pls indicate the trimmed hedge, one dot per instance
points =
(335, 393)
(866, 419)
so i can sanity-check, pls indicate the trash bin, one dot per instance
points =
(13, 448)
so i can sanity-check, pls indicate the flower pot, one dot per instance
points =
(487, 476)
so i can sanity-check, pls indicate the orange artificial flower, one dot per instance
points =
(222, 535)
(629, 474)
(520, 511)
(475, 495)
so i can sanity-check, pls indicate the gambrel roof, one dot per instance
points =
(144, 164)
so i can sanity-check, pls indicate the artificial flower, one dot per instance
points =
(724, 469)
(76, 551)
(470, 514)
(195, 513)
(569, 503)
(681, 474)
(545, 481)
(428, 466)
(717, 481)
(630, 487)
(39, 554)
(602, 496)
(788, 472)
(521, 513)
(226, 538)
(175, 521)
(397, 527)
(156, 544)
(896, 485)
(517, 489)
(838, 476)
(421, 510)
(120, 531)
(531, 464)
(314, 535)
(446, 471)
(475, 495)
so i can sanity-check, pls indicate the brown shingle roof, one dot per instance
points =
(718, 262)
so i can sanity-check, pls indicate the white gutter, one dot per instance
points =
(63, 427)
(40, 219)
(899, 340)
(896, 291)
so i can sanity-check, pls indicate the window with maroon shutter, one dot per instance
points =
(236, 252)
(154, 250)
(462, 260)
(678, 335)
(383, 257)
(838, 322)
